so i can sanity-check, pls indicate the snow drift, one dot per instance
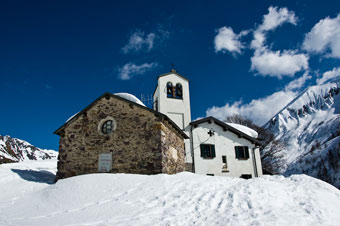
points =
(28, 198)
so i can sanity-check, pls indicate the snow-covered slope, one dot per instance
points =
(310, 128)
(14, 150)
(28, 198)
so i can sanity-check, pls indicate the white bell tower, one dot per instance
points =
(172, 98)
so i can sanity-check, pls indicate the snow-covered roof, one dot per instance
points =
(71, 117)
(244, 129)
(240, 130)
(126, 96)
(130, 97)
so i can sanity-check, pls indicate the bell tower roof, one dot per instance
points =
(172, 71)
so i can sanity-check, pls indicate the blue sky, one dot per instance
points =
(243, 57)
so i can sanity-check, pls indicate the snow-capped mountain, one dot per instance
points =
(15, 150)
(309, 126)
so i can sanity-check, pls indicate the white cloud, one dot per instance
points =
(139, 41)
(259, 110)
(278, 64)
(130, 69)
(258, 41)
(325, 35)
(275, 63)
(335, 73)
(276, 17)
(227, 40)
(263, 109)
(298, 83)
(273, 19)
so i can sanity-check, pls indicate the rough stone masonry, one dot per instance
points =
(143, 141)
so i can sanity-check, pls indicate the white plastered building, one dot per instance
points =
(214, 147)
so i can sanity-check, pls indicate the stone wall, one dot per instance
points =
(173, 153)
(138, 145)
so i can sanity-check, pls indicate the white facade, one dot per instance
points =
(223, 140)
(177, 109)
(224, 143)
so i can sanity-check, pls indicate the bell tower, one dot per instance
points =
(172, 98)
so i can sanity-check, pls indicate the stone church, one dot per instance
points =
(118, 134)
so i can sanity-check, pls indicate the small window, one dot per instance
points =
(179, 91)
(246, 176)
(242, 152)
(155, 105)
(225, 165)
(169, 89)
(107, 127)
(210, 174)
(208, 151)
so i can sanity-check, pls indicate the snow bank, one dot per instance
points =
(244, 129)
(129, 97)
(28, 198)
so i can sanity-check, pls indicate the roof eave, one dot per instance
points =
(230, 128)
(107, 94)
(173, 72)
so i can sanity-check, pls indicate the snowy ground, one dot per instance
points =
(28, 197)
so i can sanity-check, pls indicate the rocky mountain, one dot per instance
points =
(15, 150)
(309, 128)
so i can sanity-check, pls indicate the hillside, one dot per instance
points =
(29, 197)
(15, 150)
(309, 127)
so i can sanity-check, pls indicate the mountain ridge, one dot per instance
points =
(16, 150)
(309, 128)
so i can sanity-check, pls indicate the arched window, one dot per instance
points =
(169, 89)
(179, 91)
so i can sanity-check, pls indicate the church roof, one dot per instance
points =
(225, 127)
(158, 114)
(173, 71)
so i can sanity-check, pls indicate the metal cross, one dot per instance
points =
(211, 133)
(173, 68)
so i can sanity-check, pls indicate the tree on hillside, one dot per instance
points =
(270, 148)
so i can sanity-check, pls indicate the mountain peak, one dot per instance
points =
(307, 126)
(15, 150)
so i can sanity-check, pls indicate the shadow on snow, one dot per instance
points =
(41, 176)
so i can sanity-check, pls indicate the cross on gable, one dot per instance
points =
(173, 68)
(211, 133)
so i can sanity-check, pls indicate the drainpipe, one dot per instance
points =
(192, 149)
(254, 163)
